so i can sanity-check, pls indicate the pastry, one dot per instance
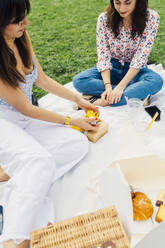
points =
(160, 216)
(142, 206)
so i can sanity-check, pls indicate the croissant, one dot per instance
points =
(142, 206)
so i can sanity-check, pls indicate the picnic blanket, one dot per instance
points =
(76, 192)
(125, 139)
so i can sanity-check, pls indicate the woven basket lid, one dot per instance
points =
(84, 231)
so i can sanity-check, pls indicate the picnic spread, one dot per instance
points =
(125, 159)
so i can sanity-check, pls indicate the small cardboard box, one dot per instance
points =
(144, 172)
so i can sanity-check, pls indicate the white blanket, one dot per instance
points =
(74, 193)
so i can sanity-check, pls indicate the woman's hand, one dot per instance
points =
(106, 95)
(82, 103)
(84, 123)
(116, 94)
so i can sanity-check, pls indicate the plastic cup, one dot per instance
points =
(137, 114)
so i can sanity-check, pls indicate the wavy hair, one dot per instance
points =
(13, 10)
(139, 18)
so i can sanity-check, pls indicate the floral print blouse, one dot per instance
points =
(124, 48)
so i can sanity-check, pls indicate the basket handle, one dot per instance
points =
(108, 244)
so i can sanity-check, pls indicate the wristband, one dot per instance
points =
(106, 83)
(67, 121)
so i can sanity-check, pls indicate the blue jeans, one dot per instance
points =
(146, 82)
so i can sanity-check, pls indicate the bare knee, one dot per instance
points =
(11, 244)
(3, 175)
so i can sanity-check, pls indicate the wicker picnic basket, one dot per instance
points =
(85, 231)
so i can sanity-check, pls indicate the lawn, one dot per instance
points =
(63, 34)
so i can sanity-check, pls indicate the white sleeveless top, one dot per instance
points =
(25, 87)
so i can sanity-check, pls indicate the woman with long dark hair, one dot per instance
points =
(37, 146)
(126, 31)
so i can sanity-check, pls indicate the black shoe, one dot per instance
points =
(94, 99)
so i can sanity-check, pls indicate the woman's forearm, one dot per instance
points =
(53, 87)
(106, 78)
(48, 116)
(132, 72)
(45, 115)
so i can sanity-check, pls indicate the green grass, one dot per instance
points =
(63, 34)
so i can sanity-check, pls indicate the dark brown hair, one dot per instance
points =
(13, 10)
(139, 18)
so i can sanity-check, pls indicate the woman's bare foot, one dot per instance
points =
(101, 102)
(3, 175)
(10, 244)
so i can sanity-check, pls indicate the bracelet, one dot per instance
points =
(106, 83)
(67, 122)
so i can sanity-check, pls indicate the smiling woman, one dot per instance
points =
(125, 8)
(126, 31)
(133, 13)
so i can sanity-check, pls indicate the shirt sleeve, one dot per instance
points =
(140, 58)
(102, 43)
